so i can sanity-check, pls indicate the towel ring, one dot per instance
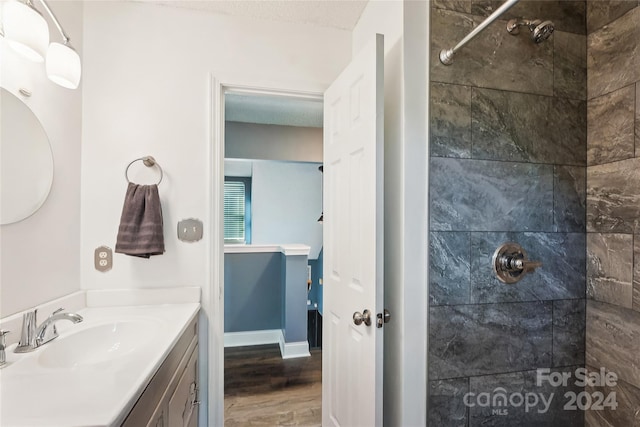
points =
(148, 162)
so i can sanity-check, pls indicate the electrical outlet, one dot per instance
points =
(190, 230)
(103, 258)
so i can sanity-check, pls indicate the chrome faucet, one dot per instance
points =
(33, 337)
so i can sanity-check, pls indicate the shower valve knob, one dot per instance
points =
(510, 263)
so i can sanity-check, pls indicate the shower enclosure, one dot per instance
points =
(513, 160)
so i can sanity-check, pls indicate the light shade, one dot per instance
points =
(63, 65)
(26, 30)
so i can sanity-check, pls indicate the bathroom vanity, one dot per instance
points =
(128, 366)
(171, 398)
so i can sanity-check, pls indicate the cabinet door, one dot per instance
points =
(183, 410)
(159, 418)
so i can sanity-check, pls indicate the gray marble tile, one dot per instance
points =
(603, 12)
(522, 127)
(449, 268)
(467, 195)
(610, 126)
(450, 120)
(569, 323)
(613, 55)
(502, 414)
(569, 16)
(569, 198)
(548, 411)
(636, 272)
(446, 403)
(613, 340)
(485, 7)
(566, 129)
(627, 411)
(613, 197)
(466, 340)
(610, 268)
(463, 6)
(557, 414)
(488, 60)
(570, 65)
(560, 277)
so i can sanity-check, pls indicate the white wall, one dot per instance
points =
(147, 91)
(39, 256)
(286, 202)
(403, 24)
(272, 142)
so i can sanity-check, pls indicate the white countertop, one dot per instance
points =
(94, 395)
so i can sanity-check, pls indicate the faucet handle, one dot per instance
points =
(3, 346)
(28, 333)
(57, 311)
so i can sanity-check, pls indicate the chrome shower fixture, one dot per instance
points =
(540, 30)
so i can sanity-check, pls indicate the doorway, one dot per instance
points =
(273, 198)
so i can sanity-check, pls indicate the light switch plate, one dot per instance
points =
(103, 258)
(190, 230)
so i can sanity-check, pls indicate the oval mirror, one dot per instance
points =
(26, 161)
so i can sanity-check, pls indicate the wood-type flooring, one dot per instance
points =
(262, 389)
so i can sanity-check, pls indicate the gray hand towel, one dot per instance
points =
(140, 233)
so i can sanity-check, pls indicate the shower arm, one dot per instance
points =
(513, 26)
(446, 55)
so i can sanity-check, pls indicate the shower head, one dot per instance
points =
(540, 30)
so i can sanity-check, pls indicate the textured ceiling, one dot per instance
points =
(343, 14)
(273, 110)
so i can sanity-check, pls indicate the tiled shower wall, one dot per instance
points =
(507, 163)
(613, 205)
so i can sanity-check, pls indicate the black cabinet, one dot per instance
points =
(314, 329)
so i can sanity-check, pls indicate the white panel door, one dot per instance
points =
(353, 242)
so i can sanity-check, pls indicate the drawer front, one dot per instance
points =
(183, 405)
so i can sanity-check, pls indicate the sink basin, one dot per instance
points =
(97, 344)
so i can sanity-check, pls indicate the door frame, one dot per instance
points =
(212, 330)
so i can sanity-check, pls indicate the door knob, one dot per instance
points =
(364, 317)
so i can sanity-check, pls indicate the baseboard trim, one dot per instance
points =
(291, 350)
(288, 350)
(241, 339)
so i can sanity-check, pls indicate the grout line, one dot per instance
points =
(556, 368)
(513, 161)
(553, 315)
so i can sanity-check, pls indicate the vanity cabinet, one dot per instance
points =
(171, 397)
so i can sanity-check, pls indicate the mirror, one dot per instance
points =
(26, 161)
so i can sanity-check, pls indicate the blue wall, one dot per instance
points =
(294, 288)
(252, 292)
(265, 291)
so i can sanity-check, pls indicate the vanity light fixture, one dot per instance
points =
(27, 32)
